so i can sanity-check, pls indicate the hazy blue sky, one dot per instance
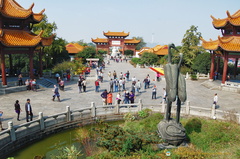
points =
(160, 21)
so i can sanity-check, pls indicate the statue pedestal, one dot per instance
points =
(172, 133)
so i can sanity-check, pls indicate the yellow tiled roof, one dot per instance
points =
(115, 33)
(19, 38)
(232, 19)
(10, 8)
(132, 41)
(47, 41)
(158, 50)
(74, 48)
(100, 40)
(231, 43)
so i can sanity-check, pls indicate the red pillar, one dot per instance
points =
(4, 79)
(31, 65)
(212, 66)
(235, 68)
(225, 66)
(218, 64)
(40, 63)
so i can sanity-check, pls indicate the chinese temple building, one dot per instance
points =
(116, 39)
(226, 46)
(15, 34)
(73, 49)
(158, 50)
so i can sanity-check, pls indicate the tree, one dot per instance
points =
(202, 63)
(141, 44)
(149, 58)
(89, 52)
(128, 52)
(190, 46)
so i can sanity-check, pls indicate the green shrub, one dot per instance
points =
(193, 76)
(144, 113)
(129, 117)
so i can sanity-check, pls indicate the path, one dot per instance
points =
(198, 95)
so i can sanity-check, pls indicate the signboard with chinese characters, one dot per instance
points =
(115, 42)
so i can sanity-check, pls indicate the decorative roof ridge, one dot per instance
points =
(40, 12)
(16, 4)
(235, 15)
(225, 40)
(204, 41)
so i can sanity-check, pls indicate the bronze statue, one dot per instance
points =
(172, 132)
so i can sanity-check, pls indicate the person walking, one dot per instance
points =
(127, 75)
(97, 85)
(138, 86)
(145, 81)
(109, 98)
(104, 97)
(20, 80)
(114, 74)
(119, 98)
(111, 83)
(28, 109)
(84, 84)
(27, 83)
(17, 109)
(126, 97)
(164, 98)
(56, 93)
(79, 85)
(131, 97)
(215, 99)
(154, 92)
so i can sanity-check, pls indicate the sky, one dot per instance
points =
(157, 21)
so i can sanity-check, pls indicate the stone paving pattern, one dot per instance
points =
(41, 101)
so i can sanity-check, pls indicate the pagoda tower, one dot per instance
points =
(227, 46)
(116, 39)
(15, 34)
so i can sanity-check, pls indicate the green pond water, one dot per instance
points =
(48, 146)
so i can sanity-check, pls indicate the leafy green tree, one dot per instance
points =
(48, 28)
(89, 52)
(202, 63)
(141, 44)
(190, 46)
(149, 58)
(128, 52)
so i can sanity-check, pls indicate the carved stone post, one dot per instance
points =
(68, 115)
(140, 105)
(93, 110)
(41, 121)
(213, 110)
(12, 131)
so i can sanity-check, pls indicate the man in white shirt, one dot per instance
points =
(215, 99)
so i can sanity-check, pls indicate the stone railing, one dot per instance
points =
(15, 137)
(200, 76)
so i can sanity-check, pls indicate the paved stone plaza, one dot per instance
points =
(198, 95)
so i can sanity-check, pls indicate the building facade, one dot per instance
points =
(116, 40)
(226, 46)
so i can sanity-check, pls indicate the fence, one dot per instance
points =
(16, 137)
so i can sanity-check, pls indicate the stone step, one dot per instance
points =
(46, 83)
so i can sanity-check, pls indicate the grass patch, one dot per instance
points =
(207, 139)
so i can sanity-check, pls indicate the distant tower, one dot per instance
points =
(152, 37)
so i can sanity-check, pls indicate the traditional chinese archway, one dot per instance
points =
(15, 34)
(116, 39)
(227, 46)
